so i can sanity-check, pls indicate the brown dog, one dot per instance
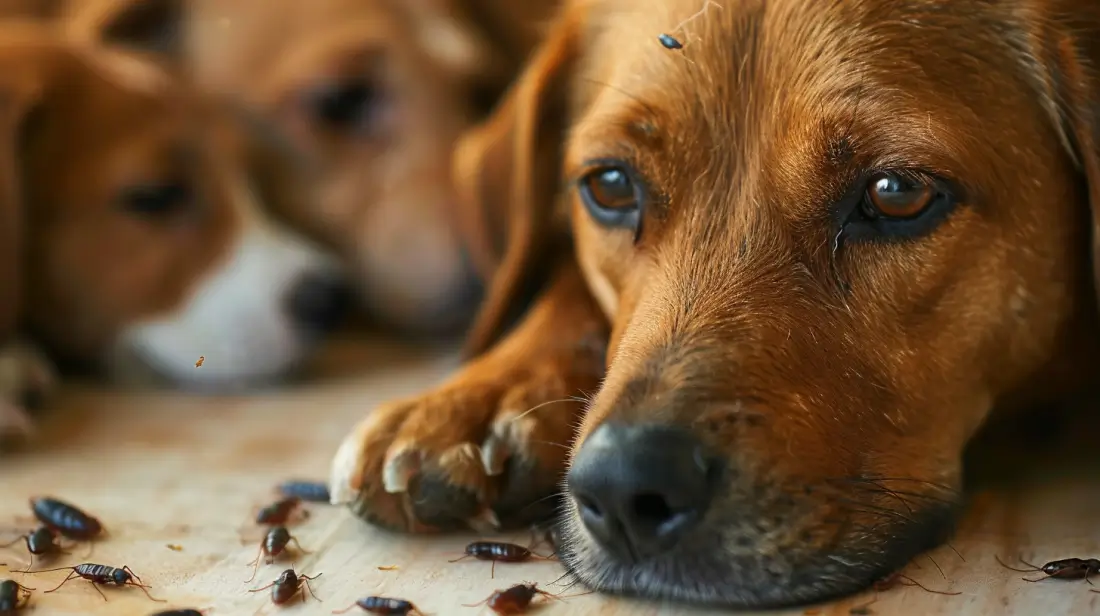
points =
(366, 98)
(827, 240)
(132, 238)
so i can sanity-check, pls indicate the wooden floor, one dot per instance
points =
(176, 480)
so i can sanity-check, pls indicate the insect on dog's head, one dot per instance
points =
(142, 246)
(829, 244)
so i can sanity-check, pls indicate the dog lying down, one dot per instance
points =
(131, 237)
(793, 267)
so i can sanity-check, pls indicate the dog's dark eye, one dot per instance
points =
(347, 106)
(895, 196)
(893, 205)
(155, 200)
(612, 197)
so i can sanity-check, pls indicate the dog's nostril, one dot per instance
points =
(319, 302)
(652, 508)
(589, 506)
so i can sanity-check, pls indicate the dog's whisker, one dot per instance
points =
(553, 444)
(940, 486)
(645, 105)
(539, 406)
(936, 565)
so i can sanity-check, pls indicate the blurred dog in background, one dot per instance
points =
(336, 121)
(134, 239)
(363, 101)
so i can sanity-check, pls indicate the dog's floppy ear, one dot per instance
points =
(449, 35)
(24, 58)
(152, 26)
(1071, 50)
(508, 172)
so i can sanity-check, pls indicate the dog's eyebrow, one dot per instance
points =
(645, 105)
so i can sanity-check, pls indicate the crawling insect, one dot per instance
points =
(41, 541)
(383, 605)
(287, 585)
(514, 600)
(185, 612)
(668, 42)
(273, 544)
(1065, 569)
(497, 551)
(13, 596)
(309, 491)
(279, 512)
(67, 520)
(100, 575)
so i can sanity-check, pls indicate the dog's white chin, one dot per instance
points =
(236, 320)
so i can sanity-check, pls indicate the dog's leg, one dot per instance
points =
(491, 443)
(26, 378)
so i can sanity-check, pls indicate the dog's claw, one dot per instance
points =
(468, 455)
(494, 452)
(26, 380)
(485, 522)
(400, 469)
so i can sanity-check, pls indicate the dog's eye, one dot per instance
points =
(896, 206)
(347, 106)
(894, 196)
(612, 197)
(157, 199)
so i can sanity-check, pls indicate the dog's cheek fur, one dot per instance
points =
(94, 268)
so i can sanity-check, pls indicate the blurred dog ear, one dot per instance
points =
(485, 42)
(507, 174)
(28, 56)
(149, 26)
(34, 9)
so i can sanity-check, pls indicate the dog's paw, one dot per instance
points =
(481, 451)
(26, 379)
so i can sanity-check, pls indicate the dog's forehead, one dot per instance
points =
(776, 82)
(763, 58)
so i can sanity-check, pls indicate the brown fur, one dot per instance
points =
(838, 383)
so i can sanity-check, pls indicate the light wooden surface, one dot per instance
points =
(165, 470)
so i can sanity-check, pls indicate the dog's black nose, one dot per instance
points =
(640, 489)
(319, 302)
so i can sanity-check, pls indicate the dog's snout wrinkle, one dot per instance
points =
(640, 489)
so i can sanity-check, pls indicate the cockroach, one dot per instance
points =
(67, 520)
(272, 545)
(100, 575)
(668, 42)
(497, 551)
(383, 605)
(279, 512)
(514, 600)
(13, 596)
(1065, 569)
(184, 612)
(309, 491)
(41, 541)
(287, 585)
